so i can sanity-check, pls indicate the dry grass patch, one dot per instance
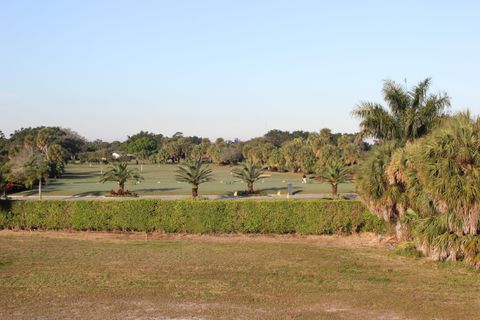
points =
(57, 275)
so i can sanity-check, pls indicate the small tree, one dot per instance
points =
(194, 173)
(120, 173)
(3, 180)
(37, 169)
(249, 173)
(334, 173)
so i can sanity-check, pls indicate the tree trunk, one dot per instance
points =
(195, 191)
(334, 190)
(250, 187)
(122, 186)
(400, 233)
(40, 188)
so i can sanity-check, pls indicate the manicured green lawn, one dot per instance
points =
(204, 277)
(160, 180)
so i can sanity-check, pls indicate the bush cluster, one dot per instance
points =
(193, 216)
(121, 193)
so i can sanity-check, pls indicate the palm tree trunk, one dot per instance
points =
(250, 188)
(195, 191)
(40, 188)
(122, 186)
(334, 190)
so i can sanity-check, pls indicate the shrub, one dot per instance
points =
(193, 216)
(408, 249)
(121, 193)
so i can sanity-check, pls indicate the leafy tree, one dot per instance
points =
(120, 173)
(3, 180)
(327, 154)
(334, 173)
(55, 160)
(276, 161)
(43, 140)
(231, 154)
(300, 134)
(176, 148)
(194, 173)
(292, 152)
(249, 173)
(317, 141)
(278, 137)
(410, 114)
(142, 144)
(37, 169)
(223, 152)
(307, 159)
(48, 137)
(257, 150)
(200, 150)
(73, 144)
(30, 164)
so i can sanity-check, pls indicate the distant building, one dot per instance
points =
(118, 155)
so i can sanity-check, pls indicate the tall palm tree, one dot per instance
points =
(194, 173)
(249, 173)
(334, 173)
(120, 173)
(410, 114)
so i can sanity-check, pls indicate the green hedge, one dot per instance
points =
(192, 216)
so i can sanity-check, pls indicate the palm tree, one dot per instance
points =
(448, 167)
(373, 185)
(334, 173)
(410, 115)
(249, 173)
(36, 168)
(120, 173)
(194, 173)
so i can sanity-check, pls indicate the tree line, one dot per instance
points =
(33, 155)
(422, 173)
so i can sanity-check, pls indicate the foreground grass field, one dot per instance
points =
(95, 276)
(82, 180)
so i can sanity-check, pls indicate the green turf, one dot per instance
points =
(80, 180)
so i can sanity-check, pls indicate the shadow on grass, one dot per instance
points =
(80, 175)
(295, 190)
(156, 190)
(91, 193)
(103, 192)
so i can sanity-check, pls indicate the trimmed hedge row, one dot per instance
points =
(193, 216)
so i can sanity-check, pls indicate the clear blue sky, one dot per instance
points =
(108, 69)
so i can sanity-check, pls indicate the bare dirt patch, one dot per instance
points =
(341, 241)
